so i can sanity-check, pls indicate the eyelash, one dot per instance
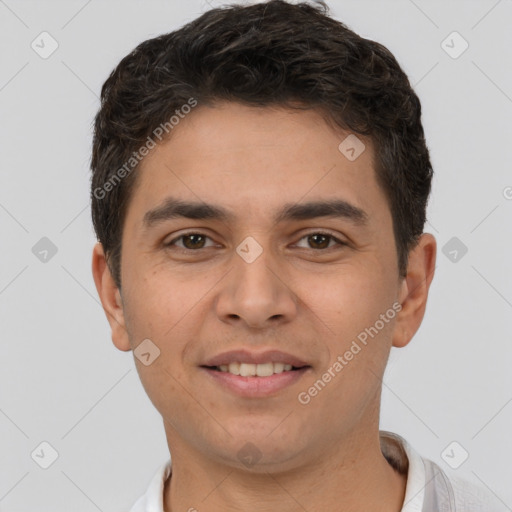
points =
(323, 233)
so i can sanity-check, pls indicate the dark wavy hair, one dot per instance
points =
(267, 54)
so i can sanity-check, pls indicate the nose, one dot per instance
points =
(257, 292)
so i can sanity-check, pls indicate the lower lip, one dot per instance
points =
(256, 386)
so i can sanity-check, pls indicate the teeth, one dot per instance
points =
(234, 368)
(265, 369)
(278, 367)
(247, 370)
(252, 370)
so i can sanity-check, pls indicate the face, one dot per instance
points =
(293, 262)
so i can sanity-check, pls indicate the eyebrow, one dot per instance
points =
(172, 208)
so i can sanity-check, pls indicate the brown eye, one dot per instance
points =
(318, 241)
(191, 241)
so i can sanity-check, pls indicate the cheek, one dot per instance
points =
(162, 311)
(349, 299)
(358, 341)
(159, 302)
(350, 303)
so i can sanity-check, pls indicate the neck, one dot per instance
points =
(351, 473)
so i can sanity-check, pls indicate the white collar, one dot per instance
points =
(415, 488)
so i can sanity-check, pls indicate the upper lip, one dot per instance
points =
(244, 356)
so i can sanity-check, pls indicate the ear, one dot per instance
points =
(414, 289)
(110, 297)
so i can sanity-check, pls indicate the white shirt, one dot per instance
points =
(428, 487)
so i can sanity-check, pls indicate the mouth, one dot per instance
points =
(256, 370)
(250, 380)
(251, 374)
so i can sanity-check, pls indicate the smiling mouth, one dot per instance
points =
(255, 370)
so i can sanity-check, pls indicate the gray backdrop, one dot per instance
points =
(64, 384)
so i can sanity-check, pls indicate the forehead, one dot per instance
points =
(253, 161)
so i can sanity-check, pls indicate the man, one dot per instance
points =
(260, 181)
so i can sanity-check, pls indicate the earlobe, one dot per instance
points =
(110, 297)
(414, 289)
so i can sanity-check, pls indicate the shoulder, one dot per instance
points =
(152, 499)
(430, 488)
(475, 498)
(455, 494)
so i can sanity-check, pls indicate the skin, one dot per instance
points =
(308, 297)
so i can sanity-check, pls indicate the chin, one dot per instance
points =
(262, 450)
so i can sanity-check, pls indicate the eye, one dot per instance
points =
(191, 241)
(196, 240)
(321, 240)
